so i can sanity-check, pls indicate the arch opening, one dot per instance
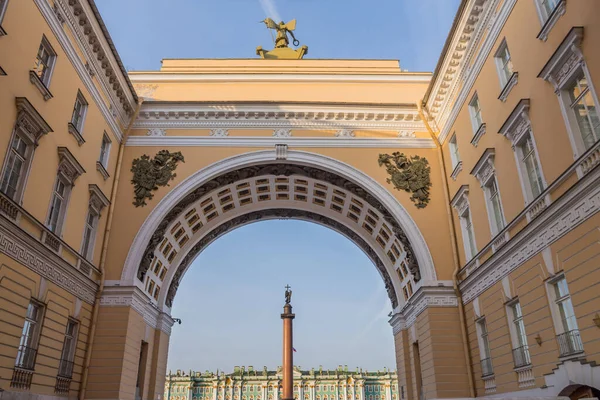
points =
(284, 190)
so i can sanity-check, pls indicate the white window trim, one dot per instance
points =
(63, 209)
(31, 127)
(499, 64)
(461, 203)
(564, 66)
(51, 62)
(481, 321)
(106, 139)
(516, 129)
(472, 112)
(89, 255)
(548, 21)
(84, 104)
(485, 173)
(554, 311)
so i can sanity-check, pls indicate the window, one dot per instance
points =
(521, 349)
(454, 155)
(546, 7)
(3, 5)
(15, 167)
(504, 64)
(530, 167)
(569, 340)
(89, 235)
(469, 240)
(79, 111)
(65, 368)
(584, 109)
(484, 348)
(104, 150)
(58, 205)
(44, 62)
(494, 206)
(475, 111)
(30, 336)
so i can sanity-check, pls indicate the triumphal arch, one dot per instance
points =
(217, 144)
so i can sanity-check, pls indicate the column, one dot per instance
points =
(264, 392)
(214, 393)
(388, 391)
(301, 391)
(337, 391)
(288, 355)
(191, 391)
(345, 391)
(312, 391)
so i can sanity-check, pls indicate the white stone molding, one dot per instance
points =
(517, 123)
(572, 373)
(97, 199)
(267, 116)
(469, 48)
(565, 214)
(460, 201)
(68, 166)
(345, 133)
(399, 213)
(512, 82)
(479, 134)
(30, 122)
(219, 132)
(489, 384)
(131, 296)
(565, 61)
(73, 56)
(500, 240)
(281, 151)
(282, 133)
(525, 376)
(153, 132)
(21, 247)
(271, 141)
(456, 170)
(484, 169)
(425, 297)
(559, 11)
(406, 134)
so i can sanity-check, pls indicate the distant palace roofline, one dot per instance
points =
(250, 372)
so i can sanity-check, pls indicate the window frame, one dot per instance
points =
(485, 351)
(25, 168)
(70, 352)
(454, 151)
(105, 155)
(92, 231)
(469, 244)
(35, 342)
(495, 226)
(64, 205)
(503, 75)
(526, 184)
(475, 113)
(3, 8)
(517, 330)
(46, 78)
(80, 122)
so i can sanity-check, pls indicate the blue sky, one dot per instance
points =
(231, 298)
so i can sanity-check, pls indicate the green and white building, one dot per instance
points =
(247, 383)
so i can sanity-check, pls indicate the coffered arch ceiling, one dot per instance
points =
(277, 190)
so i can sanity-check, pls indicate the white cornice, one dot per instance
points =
(157, 77)
(425, 297)
(462, 63)
(271, 116)
(73, 56)
(269, 141)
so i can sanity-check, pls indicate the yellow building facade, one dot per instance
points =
(474, 191)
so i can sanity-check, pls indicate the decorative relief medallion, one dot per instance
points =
(156, 132)
(346, 133)
(219, 132)
(409, 174)
(282, 133)
(149, 174)
(406, 134)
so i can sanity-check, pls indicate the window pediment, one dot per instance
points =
(68, 166)
(29, 121)
(484, 169)
(460, 201)
(517, 123)
(565, 61)
(97, 199)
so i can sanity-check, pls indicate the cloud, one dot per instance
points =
(382, 314)
(270, 10)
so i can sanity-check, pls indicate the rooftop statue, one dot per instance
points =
(282, 41)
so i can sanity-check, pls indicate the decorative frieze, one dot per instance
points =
(517, 124)
(345, 133)
(29, 121)
(484, 169)
(406, 134)
(565, 61)
(219, 132)
(282, 133)
(68, 166)
(156, 132)
(425, 297)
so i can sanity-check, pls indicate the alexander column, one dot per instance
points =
(288, 355)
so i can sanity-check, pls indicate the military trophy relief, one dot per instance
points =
(149, 174)
(411, 175)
